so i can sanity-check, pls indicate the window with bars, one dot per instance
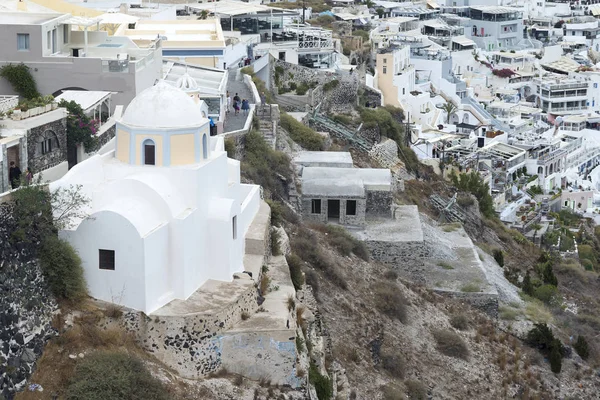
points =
(315, 206)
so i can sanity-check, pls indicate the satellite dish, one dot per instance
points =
(558, 121)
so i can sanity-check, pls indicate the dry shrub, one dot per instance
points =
(394, 364)
(390, 301)
(415, 390)
(264, 284)
(245, 315)
(451, 344)
(390, 274)
(291, 302)
(459, 321)
(113, 311)
(391, 392)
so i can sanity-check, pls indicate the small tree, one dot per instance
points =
(555, 357)
(582, 348)
(61, 266)
(380, 12)
(548, 275)
(527, 285)
(450, 108)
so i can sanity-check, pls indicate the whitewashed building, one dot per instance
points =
(167, 210)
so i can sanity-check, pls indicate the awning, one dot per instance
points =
(595, 9)
(463, 41)
(433, 5)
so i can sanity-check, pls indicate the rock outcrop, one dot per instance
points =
(26, 308)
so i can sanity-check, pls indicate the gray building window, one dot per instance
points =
(234, 227)
(107, 259)
(315, 206)
(22, 41)
(350, 207)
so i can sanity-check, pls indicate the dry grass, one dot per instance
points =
(451, 227)
(265, 281)
(113, 311)
(55, 368)
(245, 315)
(450, 344)
(537, 311)
(471, 288)
(390, 301)
(291, 302)
(445, 265)
(459, 321)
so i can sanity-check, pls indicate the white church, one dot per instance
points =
(167, 210)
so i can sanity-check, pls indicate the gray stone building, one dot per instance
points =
(38, 142)
(334, 191)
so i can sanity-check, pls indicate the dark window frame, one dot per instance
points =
(106, 259)
(315, 206)
(351, 208)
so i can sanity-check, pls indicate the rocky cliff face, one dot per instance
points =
(26, 309)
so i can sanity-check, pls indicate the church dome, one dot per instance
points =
(162, 106)
(186, 83)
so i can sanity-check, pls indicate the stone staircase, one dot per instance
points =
(268, 117)
(452, 213)
(339, 130)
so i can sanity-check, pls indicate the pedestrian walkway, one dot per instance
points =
(235, 84)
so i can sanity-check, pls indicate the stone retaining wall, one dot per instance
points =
(486, 302)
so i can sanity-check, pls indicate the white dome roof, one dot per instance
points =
(186, 83)
(163, 106)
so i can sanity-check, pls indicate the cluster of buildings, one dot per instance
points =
(507, 89)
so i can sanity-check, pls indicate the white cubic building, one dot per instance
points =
(167, 210)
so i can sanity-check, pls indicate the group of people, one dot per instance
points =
(14, 175)
(237, 103)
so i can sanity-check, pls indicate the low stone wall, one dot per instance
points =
(379, 203)
(56, 131)
(486, 302)
(189, 343)
(406, 257)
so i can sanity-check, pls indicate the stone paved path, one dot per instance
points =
(234, 122)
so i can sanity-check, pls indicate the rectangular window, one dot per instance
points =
(385, 60)
(46, 146)
(107, 259)
(23, 41)
(384, 69)
(315, 206)
(234, 227)
(350, 207)
(66, 33)
(49, 39)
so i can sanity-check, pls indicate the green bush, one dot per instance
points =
(302, 134)
(275, 242)
(460, 322)
(323, 385)
(342, 119)
(548, 274)
(21, 80)
(473, 183)
(542, 338)
(498, 256)
(582, 348)
(390, 301)
(547, 294)
(450, 344)
(328, 86)
(293, 86)
(61, 266)
(264, 166)
(301, 89)
(295, 265)
(230, 147)
(587, 253)
(527, 285)
(114, 375)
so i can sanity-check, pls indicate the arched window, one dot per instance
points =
(47, 142)
(149, 152)
(204, 147)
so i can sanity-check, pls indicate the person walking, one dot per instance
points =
(245, 106)
(28, 176)
(237, 98)
(14, 175)
(236, 107)
(228, 102)
(263, 98)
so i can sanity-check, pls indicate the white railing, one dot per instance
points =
(7, 103)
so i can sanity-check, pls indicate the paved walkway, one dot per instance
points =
(234, 122)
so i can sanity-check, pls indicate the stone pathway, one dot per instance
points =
(235, 84)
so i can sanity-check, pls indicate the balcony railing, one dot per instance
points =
(119, 66)
(8, 103)
(558, 86)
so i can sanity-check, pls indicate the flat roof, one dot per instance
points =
(329, 187)
(494, 9)
(84, 98)
(332, 157)
(27, 18)
(234, 8)
(372, 178)
(563, 64)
